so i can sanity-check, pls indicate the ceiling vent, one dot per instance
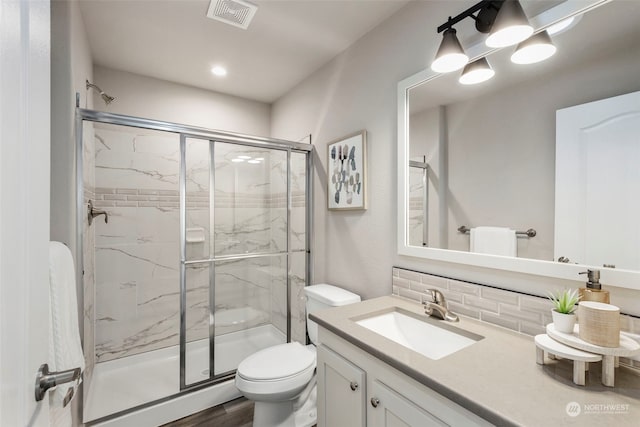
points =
(233, 12)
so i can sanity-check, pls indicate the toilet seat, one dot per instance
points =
(279, 370)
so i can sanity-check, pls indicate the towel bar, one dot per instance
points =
(529, 233)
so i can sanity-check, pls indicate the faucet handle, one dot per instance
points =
(436, 296)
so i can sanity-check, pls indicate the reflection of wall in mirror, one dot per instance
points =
(501, 149)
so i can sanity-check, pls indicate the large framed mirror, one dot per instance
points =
(485, 155)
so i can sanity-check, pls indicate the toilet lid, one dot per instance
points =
(277, 362)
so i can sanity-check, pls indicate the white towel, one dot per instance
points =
(494, 241)
(64, 336)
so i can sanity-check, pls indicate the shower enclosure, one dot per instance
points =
(418, 203)
(195, 251)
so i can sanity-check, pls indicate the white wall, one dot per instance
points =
(357, 90)
(71, 65)
(152, 98)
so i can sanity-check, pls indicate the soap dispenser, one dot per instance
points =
(593, 291)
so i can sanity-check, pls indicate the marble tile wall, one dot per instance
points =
(526, 314)
(137, 252)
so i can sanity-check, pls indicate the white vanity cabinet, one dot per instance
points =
(357, 389)
(341, 398)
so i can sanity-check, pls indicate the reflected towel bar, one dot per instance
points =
(529, 233)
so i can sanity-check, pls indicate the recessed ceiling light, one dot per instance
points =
(254, 161)
(237, 160)
(219, 71)
(259, 158)
(244, 157)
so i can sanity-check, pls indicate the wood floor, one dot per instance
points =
(237, 413)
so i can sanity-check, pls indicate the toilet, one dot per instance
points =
(281, 380)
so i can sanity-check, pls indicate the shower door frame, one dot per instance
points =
(212, 136)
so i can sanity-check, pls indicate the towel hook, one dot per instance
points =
(93, 212)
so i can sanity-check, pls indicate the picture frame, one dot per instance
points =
(347, 173)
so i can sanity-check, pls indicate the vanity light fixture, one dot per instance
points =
(450, 56)
(476, 72)
(510, 27)
(536, 48)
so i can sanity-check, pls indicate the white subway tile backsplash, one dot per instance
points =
(408, 293)
(531, 328)
(401, 283)
(420, 287)
(530, 303)
(430, 280)
(531, 316)
(453, 296)
(464, 287)
(499, 295)
(481, 303)
(464, 310)
(499, 320)
(410, 275)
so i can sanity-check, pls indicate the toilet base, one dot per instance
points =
(286, 413)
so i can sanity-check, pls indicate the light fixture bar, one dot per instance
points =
(470, 13)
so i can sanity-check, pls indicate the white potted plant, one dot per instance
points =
(564, 303)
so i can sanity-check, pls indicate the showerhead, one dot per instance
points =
(106, 98)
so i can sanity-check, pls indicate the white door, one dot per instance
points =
(24, 208)
(598, 182)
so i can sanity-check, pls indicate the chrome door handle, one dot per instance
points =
(46, 379)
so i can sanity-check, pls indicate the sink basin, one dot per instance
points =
(420, 335)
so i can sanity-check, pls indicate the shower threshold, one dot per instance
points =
(124, 383)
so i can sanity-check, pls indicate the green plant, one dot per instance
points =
(564, 301)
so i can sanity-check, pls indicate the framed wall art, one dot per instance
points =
(347, 172)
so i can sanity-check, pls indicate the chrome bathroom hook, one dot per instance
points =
(93, 212)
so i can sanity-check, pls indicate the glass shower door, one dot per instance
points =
(238, 253)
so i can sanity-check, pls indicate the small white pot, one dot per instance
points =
(563, 322)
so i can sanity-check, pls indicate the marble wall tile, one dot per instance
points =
(137, 252)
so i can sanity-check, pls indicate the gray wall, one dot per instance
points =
(357, 90)
(152, 98)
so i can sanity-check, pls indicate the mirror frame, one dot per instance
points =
(610, 276)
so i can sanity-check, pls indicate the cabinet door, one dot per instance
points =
(387, 408)
(341, 391)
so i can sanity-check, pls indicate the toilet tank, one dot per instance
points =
(324, 296)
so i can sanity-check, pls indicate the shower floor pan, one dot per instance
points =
(124, 383)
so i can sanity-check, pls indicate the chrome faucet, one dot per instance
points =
(437, 307)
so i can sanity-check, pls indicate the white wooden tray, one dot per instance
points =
(628, 347)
